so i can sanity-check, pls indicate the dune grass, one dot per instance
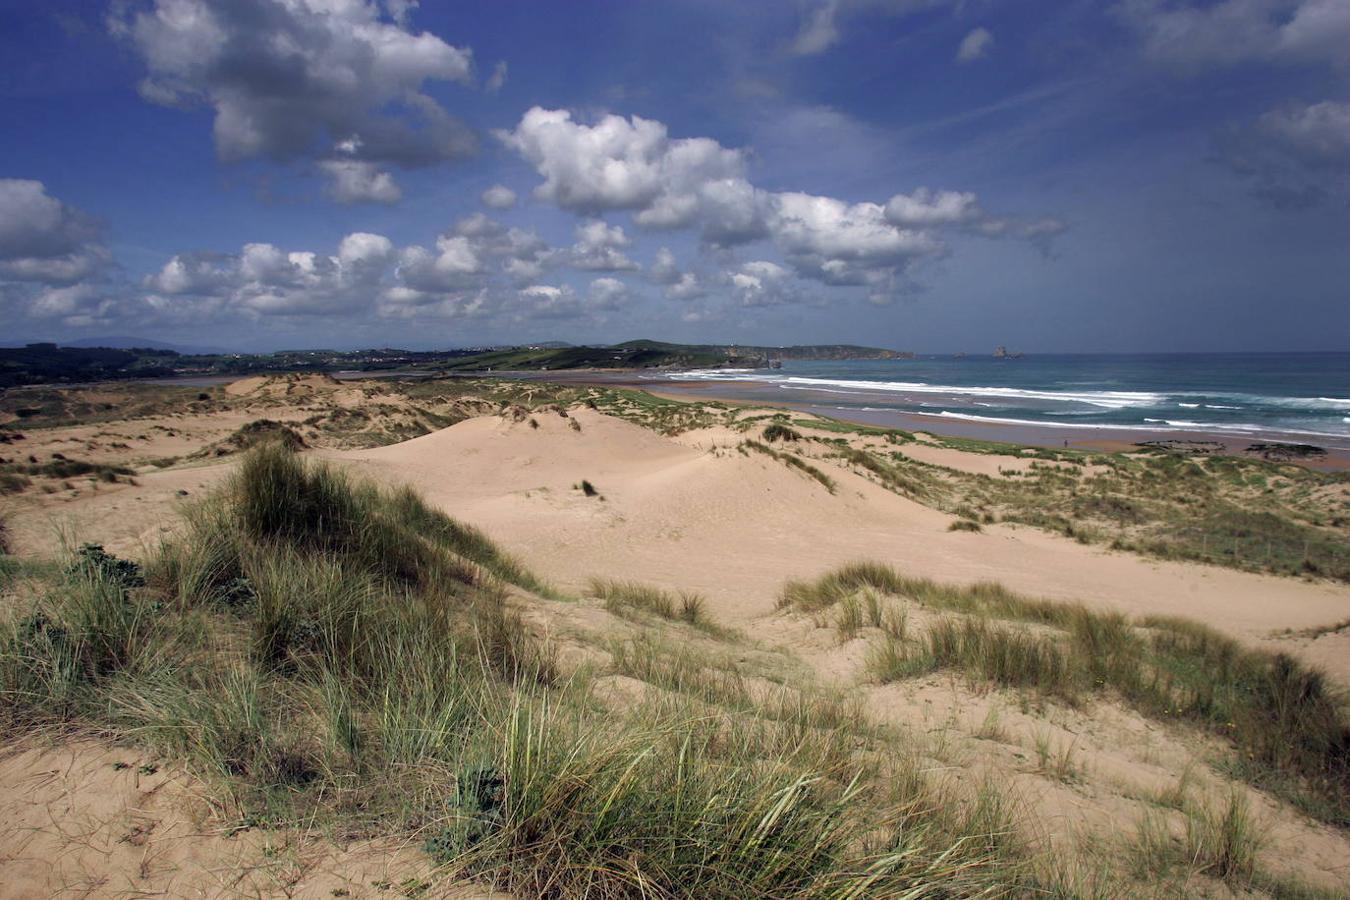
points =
(1221, 840)
(1289, 728)
(1005, 656)
(1241, 513)
(16, 477)
(619, 596)
(328, 653)
(907, 480)
(777, 431)
(793, 461)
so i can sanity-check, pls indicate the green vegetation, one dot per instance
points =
(1285, 722)
(18, 476)
(339, 656)
(14, 482)
(1004, 656)
(686, 606)
(44, 407)
(779, 432)
(1223, 843)
(1242, 513)
(652, 354)
(895, 476)
(47, 362)
(634, 354)
(252, 434)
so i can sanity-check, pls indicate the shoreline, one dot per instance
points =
(1104, 439)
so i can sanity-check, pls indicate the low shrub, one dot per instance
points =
(777, 431)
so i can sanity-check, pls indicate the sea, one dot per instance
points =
(1253, 395)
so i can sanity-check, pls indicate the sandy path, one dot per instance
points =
(126, 519)
(734, 527)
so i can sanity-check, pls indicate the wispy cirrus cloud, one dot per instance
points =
(1191, 35)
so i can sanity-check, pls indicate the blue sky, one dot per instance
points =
(1107, 176)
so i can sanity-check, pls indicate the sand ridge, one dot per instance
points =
(735, 527)
(688, 512)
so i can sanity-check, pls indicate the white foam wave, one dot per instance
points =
(1054, 403)
(1243, 429)
(1102, 399)
(1308, 403)
(999, 420)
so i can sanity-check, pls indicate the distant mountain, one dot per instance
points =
(746, 351)
(125, 342)
(120, 357)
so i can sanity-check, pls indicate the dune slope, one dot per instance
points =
(734, 526)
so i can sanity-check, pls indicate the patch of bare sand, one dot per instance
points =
(126, 519)
(990, 464)
(246, 386)
(88, 819)
(735, 526)
(135, 442)
(282, 385)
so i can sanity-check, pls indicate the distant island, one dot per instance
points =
(39, 363)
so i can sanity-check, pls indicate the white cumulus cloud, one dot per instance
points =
(354, 181)
(634, 165)
(626, 164)
(332, 81)
(499, 196)
(45, 240)
(599, 248)
(607, 294)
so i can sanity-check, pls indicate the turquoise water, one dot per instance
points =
(1257, 395)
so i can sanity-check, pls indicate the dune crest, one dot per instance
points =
(733, 526)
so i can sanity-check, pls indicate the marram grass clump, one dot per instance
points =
(684, 606)
(1290, 731)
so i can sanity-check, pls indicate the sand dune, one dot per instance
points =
(735, 526)
(691, 512)
(694, 513)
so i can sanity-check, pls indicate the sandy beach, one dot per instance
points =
(1105, 438)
